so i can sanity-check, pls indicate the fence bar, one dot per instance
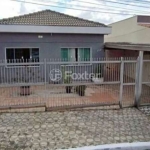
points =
(62, 63)
(137, 81)
(128, 84)
(21, 84)
(146, 82)
(146, 60)
(21, 64)
(45, 71)
(140, 79)
(121, 82)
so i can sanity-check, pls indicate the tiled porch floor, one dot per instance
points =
(57, 96)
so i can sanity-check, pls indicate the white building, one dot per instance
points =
(134, 30)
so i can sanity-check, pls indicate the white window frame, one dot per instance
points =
(7, 64)
(78, 48)
(78, 64)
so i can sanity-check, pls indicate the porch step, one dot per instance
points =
(86, 107)
(111, 107)
(23, 108)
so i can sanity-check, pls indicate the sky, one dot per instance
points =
(9, 8)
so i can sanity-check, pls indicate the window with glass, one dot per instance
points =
(22, 55)
(75, 54)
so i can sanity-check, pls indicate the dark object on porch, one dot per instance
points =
(25, 90)
(68, 89)
(68, 80)
(25, 76)
(81, 90)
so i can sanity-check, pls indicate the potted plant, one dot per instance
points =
(68, 80)
(24, 77)
(81, 90)
(98, 75)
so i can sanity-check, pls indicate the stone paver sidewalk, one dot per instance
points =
(145, 110)
(59, 130)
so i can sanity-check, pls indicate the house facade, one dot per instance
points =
(51, 46)
(49, 34)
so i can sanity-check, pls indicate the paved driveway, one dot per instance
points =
(58, 130)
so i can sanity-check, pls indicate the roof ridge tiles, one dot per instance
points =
(51, 16)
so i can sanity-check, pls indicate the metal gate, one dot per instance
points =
(128, 81)
(102, 90)
(144, 81)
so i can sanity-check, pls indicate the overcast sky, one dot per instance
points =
(10, 8)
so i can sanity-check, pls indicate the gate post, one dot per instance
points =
(121, 82)
(137, 81)
(140, 72)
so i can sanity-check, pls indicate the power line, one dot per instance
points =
(141, 2)
(74, 5)
(124, 3)
(134, 11)
(101, 4)
(73, 8)
(107, 5)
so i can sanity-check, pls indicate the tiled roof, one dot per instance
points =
(49, 18)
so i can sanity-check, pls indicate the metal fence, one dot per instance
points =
(59, 84)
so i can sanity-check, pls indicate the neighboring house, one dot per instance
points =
(133, 30)
(51, 35)
(128, 38)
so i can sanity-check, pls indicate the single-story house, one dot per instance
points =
(51, 35)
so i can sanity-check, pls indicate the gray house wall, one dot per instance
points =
(51, 44)
(50, 47)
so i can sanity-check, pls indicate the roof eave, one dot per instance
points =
(54, 29)
(134, 47)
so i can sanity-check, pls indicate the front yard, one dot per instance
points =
(56, 96)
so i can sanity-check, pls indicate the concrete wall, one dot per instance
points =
(128, 30)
